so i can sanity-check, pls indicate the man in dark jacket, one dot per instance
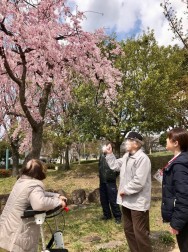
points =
(175, 187)
(108, 191)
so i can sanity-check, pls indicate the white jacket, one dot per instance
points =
(135, 179)
(22, 235)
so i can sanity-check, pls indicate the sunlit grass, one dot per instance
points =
(6, 185)
(84, 231)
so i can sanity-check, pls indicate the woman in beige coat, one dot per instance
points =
(21, 235)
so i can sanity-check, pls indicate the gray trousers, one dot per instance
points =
(136, 228)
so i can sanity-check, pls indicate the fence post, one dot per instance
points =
(7, 158)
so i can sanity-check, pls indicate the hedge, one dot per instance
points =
(5, 173)
(158, 162)
(50, 166)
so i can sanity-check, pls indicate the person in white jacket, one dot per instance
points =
(21, 235)
(134, 193)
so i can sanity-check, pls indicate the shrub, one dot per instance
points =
(50, 166)
(89, 161)
(158, 162)
(166, 238)
(5, 173)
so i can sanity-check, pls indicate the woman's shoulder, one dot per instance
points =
(181, 162)
(30, 181)
(182, 158)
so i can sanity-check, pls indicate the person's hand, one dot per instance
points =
(64, 201)
(122, 194)
(174, 231)
(63, 198)
(63, 204)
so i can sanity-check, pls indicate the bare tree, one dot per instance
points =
(176, 23)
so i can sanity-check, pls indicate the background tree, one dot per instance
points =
(179, 28)
(162, 139)
(62, 135)
(181, 108)
(41, 46)
(10, 124)
(3, 146)
(178, 25)
(146, 98)
(94, 112)
(14, 144)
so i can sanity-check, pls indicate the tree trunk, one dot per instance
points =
(67, 164)
(36, 144)
(61, 159)
(15, 159)
(117, 149)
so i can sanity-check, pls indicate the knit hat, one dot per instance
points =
(134, 136)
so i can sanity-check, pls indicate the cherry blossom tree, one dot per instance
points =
(43, 49)
(10, 123)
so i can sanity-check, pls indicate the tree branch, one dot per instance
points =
(8, 69)
(3, 28)
(174, 23)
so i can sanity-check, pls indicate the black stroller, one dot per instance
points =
(57, 236)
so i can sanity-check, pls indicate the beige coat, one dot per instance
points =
(21, 235)
(135, 179)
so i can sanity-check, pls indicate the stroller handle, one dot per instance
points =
(29, 212)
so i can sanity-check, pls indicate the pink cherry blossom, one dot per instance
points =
(41, 45)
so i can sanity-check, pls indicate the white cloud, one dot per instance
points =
(123, 15)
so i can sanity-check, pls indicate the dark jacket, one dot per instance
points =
(175, 192)
(105, 173)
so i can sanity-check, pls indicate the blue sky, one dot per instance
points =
(129, 17)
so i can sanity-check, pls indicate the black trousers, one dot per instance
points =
(182, 239)
(136, 228)
(108, 196)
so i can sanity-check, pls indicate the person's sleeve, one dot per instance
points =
(180, 214)
(41, 202)
(142, 171)
(51, 194)
(113, 163)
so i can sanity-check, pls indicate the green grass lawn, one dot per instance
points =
(83, 230)
(83, 224)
